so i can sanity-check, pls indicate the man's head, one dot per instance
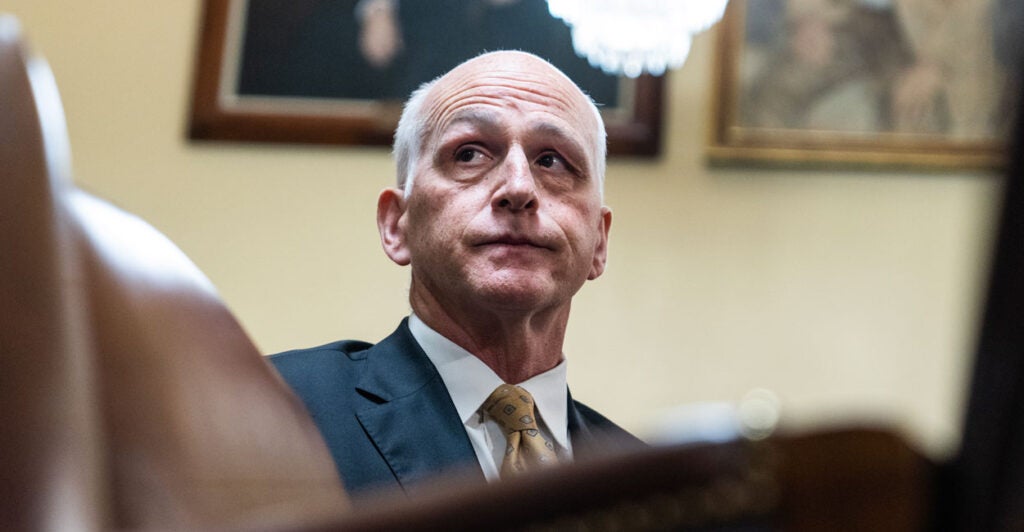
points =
(500, 164)
(413, 130)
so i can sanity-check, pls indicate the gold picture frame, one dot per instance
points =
(802, 84)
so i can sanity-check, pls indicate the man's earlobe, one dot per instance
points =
(391, 206)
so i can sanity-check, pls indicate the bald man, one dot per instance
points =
(498, 212)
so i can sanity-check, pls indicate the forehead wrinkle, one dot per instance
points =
(533, 91)
(506, 89)
(473, 109)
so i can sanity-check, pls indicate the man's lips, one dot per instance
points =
(513, 240)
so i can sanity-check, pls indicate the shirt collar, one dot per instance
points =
(470, 381)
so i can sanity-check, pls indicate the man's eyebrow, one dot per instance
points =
(479, 118)
(577, 150)
(548, 129)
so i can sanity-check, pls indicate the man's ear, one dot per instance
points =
(601, 249)
(391, 206)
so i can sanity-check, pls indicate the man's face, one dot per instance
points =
(505, 210)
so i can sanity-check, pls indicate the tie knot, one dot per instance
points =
(526, 448)
(512, 408)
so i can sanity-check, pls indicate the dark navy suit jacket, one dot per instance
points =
(374, 404)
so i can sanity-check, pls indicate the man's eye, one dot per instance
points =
(467, 155)
(549, 160)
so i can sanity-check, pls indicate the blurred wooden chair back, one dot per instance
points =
(130, 395)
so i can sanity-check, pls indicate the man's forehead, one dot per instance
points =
(508, 76)
(509, 80)
(504, 60)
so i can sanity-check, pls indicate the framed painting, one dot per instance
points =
(913, 83)
(337, 71)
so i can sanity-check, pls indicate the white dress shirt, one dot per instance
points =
(470, 382)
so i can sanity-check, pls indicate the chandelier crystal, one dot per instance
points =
(633, 36)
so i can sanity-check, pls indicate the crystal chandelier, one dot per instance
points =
(632, 36)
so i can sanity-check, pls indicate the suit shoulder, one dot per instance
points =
(353, 349)
(319, 370)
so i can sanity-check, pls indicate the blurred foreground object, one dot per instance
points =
(130, 395)
(755, 417)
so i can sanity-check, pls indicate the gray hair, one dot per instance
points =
(410, 136)
(413, 132)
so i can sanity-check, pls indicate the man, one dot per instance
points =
(499, 215)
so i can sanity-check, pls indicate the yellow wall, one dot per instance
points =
(851, 295)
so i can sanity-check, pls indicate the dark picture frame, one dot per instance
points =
(222, 110)
(762, 117)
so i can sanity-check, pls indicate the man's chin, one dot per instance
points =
(526, 294)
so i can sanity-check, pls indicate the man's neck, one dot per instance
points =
(516, 345)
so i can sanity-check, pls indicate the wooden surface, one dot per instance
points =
(851, 479)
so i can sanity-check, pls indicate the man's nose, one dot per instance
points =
(518, 190)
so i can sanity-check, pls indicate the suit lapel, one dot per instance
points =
(580, 433)
(409, 415)
(592, 434)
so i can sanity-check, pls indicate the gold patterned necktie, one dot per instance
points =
(512, 408)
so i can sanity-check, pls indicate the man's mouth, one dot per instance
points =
(513, 240)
